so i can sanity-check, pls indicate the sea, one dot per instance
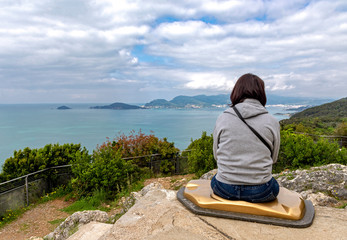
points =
(35, 125)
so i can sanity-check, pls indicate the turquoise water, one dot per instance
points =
(35, 125)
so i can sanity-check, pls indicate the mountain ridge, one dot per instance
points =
(221, 100)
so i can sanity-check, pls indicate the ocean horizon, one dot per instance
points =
(36, 125)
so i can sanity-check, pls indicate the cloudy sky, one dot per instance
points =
(138, 50)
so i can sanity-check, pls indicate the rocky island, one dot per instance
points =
(63, 108)
(117, 106)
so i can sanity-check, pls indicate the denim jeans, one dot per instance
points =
(251, 193)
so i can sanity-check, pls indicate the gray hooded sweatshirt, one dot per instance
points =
(242, 158)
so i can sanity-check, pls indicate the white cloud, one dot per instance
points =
(87, 47)
(214, 81)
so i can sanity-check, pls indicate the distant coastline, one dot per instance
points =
(216, 101)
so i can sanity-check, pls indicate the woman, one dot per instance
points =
(244, 161)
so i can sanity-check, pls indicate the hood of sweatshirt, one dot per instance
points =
(249, 108)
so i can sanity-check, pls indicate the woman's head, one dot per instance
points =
(248, 86)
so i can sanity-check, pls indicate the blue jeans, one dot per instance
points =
(251, 193)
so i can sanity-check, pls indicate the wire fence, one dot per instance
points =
(20, 192)
(341, 140)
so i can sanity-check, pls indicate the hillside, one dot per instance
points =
(326, 119)
(336, 109)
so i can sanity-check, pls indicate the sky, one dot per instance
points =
(134, 51)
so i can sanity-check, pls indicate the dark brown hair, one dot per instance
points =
(248, 86)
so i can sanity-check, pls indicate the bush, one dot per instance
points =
(200, 156)
(296, 151)
(105, 169)
(301, 151)
(140, 144)
(31, 160)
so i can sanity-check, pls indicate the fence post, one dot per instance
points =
(151, 166)
(27, 190)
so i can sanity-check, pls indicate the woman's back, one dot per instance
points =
(241, 157)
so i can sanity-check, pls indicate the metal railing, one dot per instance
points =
(341, 140)
(21, 191)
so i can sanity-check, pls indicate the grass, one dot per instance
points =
(61, 191)
(12, 215)
(88, 203)
(290, 176)
(55, 223)
(99, 200)
(81, 205)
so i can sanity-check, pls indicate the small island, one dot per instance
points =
(118, 106)
(63, 108)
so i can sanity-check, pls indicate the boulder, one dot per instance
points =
(75, 221)
(157, 214)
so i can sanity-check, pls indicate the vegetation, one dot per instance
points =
(140, 144)
(104, 176)
(31, 160)
(336, 109)
(302, 151)
(113, 167)
(296, 151)
(326, 119)
(200, 158)
(106, 170)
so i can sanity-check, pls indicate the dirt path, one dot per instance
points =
(38, 221)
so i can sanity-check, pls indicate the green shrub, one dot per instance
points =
(105, 169)
(301, 151)
(31, 160)
(140, 144)
(200, 156)
(296, 151)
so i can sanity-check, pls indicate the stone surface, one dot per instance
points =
(330, 179)
(91, 231)
(329, 223)
(159, 215)
(75, 221)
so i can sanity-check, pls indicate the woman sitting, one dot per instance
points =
(244, 160)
